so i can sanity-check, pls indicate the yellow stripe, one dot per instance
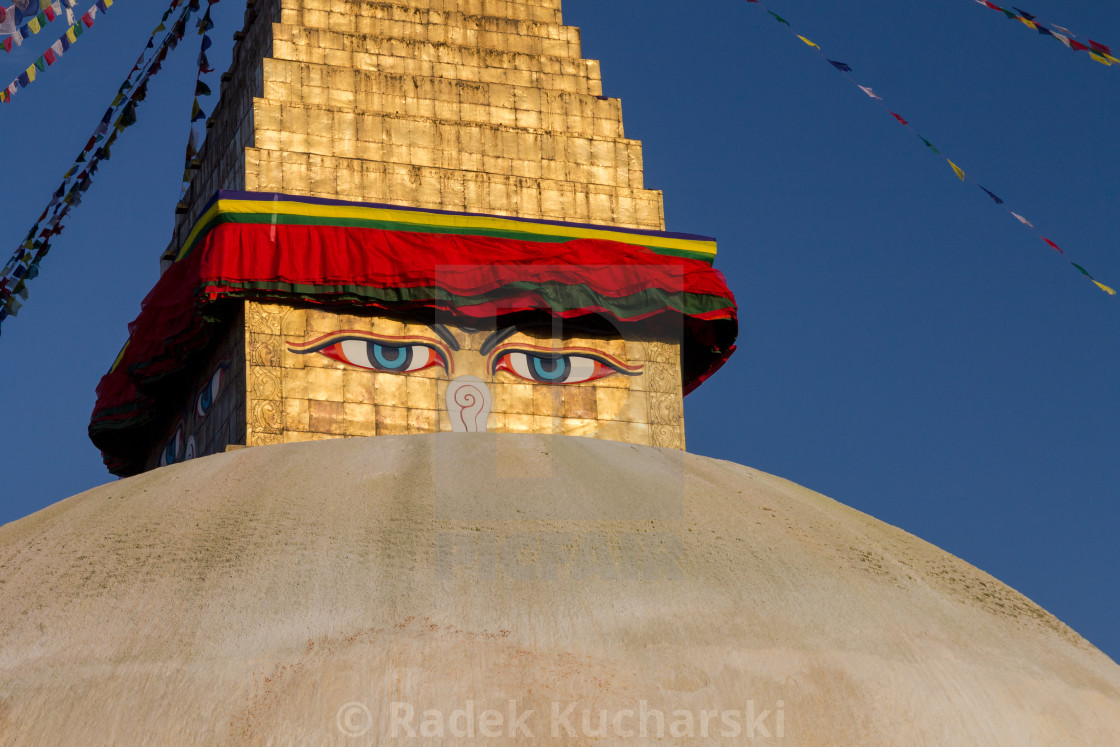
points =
(420, 218)
(120, 356)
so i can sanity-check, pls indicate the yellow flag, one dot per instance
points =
(1028, 23)
(33, 24)
(1099, 58)
(1104, 288)
(108, 3)
(70, 35)
(956, 170)
(30, 72)
(811, 44)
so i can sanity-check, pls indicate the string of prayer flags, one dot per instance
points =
(25, 261)
(205, 23)
(14, 27)
(1100, 285)
(54, 52)
(1099, 52)
(846, 70)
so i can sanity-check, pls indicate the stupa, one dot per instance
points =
(418, 237)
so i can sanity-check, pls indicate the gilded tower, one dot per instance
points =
(414, 216)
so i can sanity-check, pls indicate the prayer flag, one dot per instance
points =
(929, 145)
(869, 92)
(1104, 287)
(991, 194)
(1022, 220)
(1099, 58)
(48, 55)
(811, 44)
(956, 170)
(900, 119)
(1053, 245)
(1100, 48)
(778, 18)
(841, 66)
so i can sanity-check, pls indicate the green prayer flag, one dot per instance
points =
(929, 145)
(1083, 270)
(41, 64)
(778, 18)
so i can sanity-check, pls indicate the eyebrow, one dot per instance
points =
(445, 335)
(495, 337)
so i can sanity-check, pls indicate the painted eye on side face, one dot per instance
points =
(562, 368)
(391, 356)
(205, 399)
(173, 449)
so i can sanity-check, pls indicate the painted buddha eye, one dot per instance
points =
(389, 355)
(558, 368)
(170, 453)
(209, 393)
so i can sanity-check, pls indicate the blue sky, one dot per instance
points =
(907, 348)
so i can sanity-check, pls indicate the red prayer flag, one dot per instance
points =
(8, 44)
(1097, 46)
(1052, 244)
(49, 13)
(900, 119)
(87, 19)
(993, 6)
(49, 56)
(1074, 44)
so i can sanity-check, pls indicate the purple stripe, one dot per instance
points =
(226, 194)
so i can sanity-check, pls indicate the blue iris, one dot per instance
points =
(391, 357)
(549, 369)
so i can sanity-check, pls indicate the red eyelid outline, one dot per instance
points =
(597, 355)
(333, 338)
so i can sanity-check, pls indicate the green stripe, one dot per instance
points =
(557, 295)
